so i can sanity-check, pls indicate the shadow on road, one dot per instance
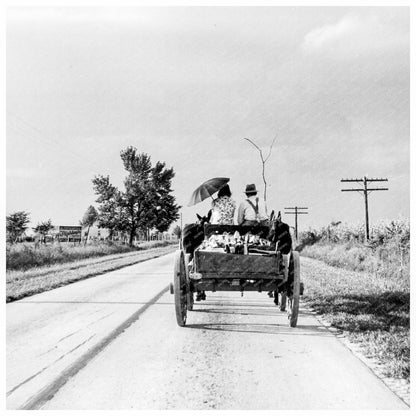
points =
(235, 311)
(89, 302)
(272, 310)
(269, 329)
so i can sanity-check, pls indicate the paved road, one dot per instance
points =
(111, 342)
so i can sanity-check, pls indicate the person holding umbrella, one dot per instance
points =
(223, 207)
(193, 234)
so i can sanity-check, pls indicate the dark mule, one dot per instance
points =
(279, 235)
(193, 236)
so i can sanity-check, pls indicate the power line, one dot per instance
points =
(296, 211)
(365, 191)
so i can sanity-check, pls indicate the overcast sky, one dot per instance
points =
(186, 85)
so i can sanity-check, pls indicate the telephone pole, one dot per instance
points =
(366, 190)
(296, 211)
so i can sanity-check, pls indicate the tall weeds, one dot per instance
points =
(25, 256)
(385, 255)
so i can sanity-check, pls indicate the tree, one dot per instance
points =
(166, 210)
(16, 225)
(43, 229)
(146, 201)
(88, 220)
(263, 162)
(177, 231)
(138, 198)
(110, 213)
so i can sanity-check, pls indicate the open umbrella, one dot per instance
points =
(207, 189)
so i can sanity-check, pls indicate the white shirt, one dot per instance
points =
(246, 211)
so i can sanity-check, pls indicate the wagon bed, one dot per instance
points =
(224, 271)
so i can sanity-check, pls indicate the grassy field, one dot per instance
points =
(25, 256)
(367, 293)
(29, 281)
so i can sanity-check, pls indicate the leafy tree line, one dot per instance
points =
(88, 220)
(146, 201)
(17, 224)
(43, 229)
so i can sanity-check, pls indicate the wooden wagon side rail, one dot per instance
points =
(219, 275)
(237, 265)
(240, 285)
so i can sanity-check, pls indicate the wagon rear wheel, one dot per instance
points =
(189, 293)
(284, 297)
(180, 288)
(293, 301)
(190, 301)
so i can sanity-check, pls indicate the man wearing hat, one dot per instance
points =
(251, 211)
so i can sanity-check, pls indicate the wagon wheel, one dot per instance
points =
(180, 288)
(189, 293)
(293, 301)
(283, 295)
(190, 301)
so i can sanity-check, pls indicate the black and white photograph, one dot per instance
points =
(207, 206)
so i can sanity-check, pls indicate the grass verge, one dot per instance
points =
(372, 309)
(22, 283)
(387, 261)
(24, 256)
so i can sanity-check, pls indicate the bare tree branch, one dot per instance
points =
(258, 148)
(270, 150)
(263, 162)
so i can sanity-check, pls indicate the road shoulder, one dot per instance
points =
(399, 386)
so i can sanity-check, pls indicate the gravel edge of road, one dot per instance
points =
(399, 387)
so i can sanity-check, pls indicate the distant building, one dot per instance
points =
(66, 233)
(95, 232)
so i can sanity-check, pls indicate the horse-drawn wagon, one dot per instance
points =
(236, 258)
